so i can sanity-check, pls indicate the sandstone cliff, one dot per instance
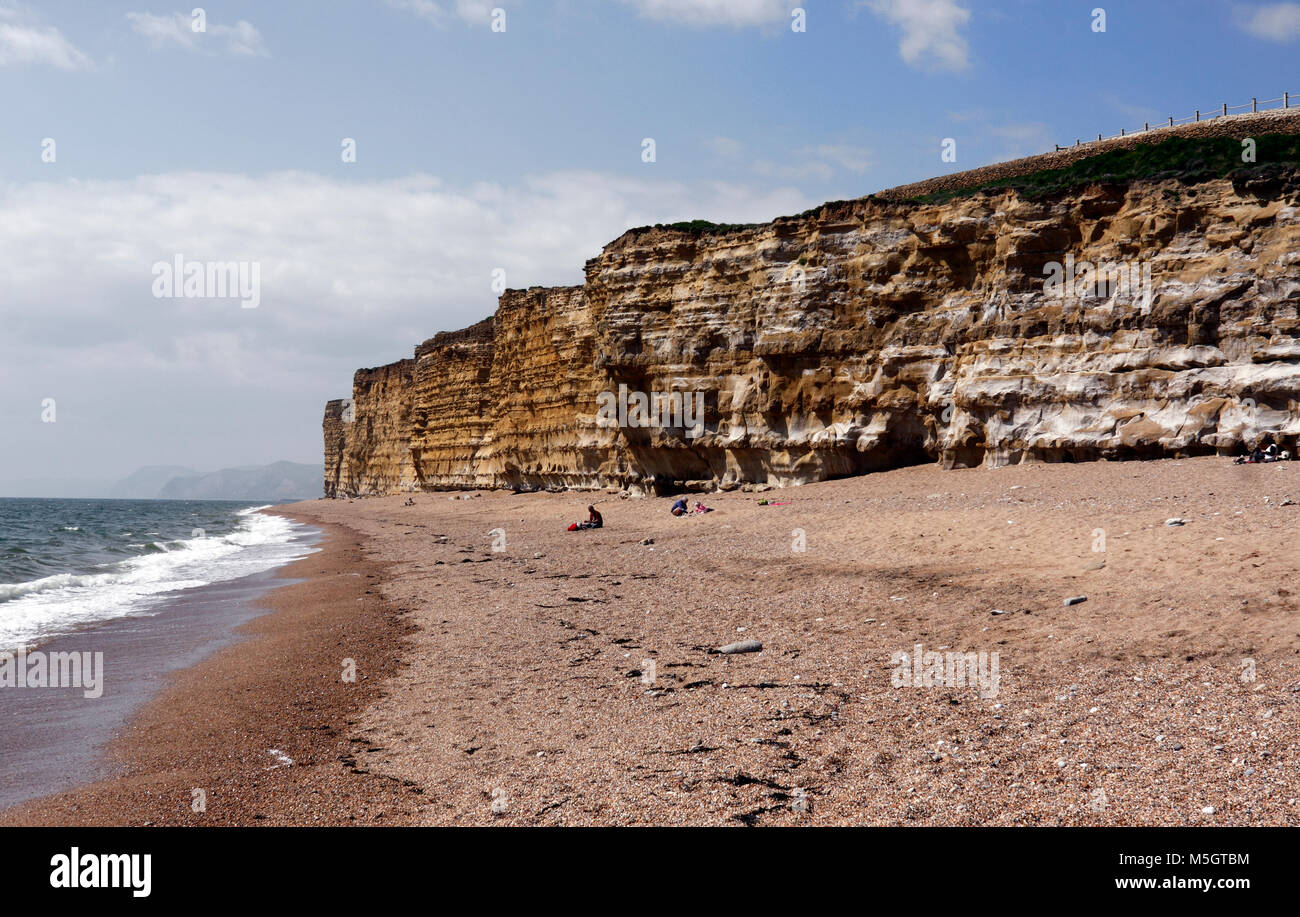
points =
(864, 335)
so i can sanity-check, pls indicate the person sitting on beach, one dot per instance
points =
(701, 508)
(594, 521)
(679, 508)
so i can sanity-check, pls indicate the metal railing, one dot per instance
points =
(1223, 111)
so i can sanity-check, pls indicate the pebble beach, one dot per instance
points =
(511, 672)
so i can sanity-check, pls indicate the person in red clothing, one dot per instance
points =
(594, 521)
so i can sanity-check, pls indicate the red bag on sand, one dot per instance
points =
(573, 527)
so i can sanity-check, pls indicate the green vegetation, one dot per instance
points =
(1187, 159)
(697, 227)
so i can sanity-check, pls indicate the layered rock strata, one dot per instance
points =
(865, 335)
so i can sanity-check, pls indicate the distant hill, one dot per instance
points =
(148, 481)
(280, 482)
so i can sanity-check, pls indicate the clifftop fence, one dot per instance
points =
(1275, 120)
(1254, 106)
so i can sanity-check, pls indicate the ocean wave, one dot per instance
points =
(56, 604)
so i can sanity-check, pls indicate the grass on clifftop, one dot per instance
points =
(1186, 159)
(1194, 159)
(696, 227)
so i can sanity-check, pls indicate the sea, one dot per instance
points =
(138, 589)
(66, 565)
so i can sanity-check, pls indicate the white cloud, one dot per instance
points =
(1022, 139)
(726, 147)
(353, 273)
(716, 12)
(807, 169)
(241, 39)
(474, 12)
(932, 38)
(24, 41)
(851, 158)
(1274, 21)
(1133, 112)
(815, 162)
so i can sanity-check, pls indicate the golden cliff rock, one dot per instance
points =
(1120, 317)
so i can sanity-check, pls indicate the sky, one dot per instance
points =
(376, 162)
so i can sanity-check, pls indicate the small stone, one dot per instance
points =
(1176, 520)
(1208, 810)
(743, 646)
(997, 611)
(1249, 771)
(647, 541)
(1075, 600)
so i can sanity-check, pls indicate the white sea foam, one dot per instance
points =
(36, 610)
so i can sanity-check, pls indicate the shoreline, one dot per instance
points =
(514, 673)
(226, 725)
(572, 678)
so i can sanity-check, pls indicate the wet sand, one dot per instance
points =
(54, 738)
(525, 694)
(229, 724)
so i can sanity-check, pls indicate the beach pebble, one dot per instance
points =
(743, 646)
(1075, 600)
(1208, 810)
(997, 611)
(1174, 521)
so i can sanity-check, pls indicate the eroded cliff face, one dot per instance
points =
(866, 335)
(376, 456)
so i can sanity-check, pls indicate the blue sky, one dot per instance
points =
(477, 149)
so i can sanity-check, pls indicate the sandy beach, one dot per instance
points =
(227, 725)
(515, 673)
